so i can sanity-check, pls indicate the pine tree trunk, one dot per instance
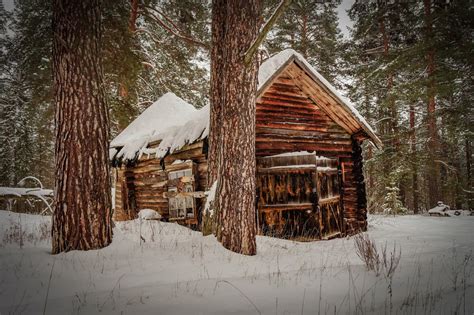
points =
(414, 160)
(82, 217)
(468, 172)
(235, 26)
(209, 223)
(132, 21)
(433, 168)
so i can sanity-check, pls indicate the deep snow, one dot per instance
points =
(178, 271)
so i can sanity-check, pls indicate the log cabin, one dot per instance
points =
(310, 181)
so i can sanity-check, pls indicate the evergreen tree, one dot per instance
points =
(82, 218)
(310, 28)
(175, 63)
(406, 79)
(26, 101)
(139, 65)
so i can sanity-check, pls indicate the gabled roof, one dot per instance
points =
(169, 110)
(318, 89)
(177, 123)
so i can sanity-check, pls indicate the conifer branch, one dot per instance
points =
(173, 29)
(249, 54)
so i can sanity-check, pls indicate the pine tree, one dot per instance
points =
(232, 163)
(27, 99)
(310, 27)
(232, 139)
(400, 69)
(172, 63)
(82, 218)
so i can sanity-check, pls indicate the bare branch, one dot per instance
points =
(173, 29)
(249, 54)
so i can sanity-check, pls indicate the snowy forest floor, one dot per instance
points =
(178, 271)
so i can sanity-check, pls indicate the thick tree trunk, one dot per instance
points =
(235, 26)
(82, 217)
(414, 160)
(209, 223)
(433, 168)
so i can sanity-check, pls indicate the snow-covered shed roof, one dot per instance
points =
(177, 123)
(169, 110)
(171, 120)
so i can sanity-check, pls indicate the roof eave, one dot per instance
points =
(375, 139)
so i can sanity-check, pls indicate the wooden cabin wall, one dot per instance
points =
(196, 153)
(142, 186)
(288, 120)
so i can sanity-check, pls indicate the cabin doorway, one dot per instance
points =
(299, 196)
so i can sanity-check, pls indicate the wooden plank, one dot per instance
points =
(287, 169)
(323, 99)
(194, 194)
(298, 126)
(275, 94)
(302, 133)
(329, 200)
(285, 207)
(179, 166)
(302, 140)
(295, 146)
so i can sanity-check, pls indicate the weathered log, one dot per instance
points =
(194, 194)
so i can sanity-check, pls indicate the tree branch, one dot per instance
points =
(249, 54)
(133, 16)
(176, 31)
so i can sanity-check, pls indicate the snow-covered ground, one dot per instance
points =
(177, 271)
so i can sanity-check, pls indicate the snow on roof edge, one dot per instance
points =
(167, 111)
(196, 126)
(171, 139)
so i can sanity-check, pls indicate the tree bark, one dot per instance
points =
(235, 26)
(468, 172)
(414, 160)
(82, 217)
(433, 169)
(132, 22)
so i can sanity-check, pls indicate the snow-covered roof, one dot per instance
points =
(177, 123)
(169, 110)
(271, 67)
(195, 127)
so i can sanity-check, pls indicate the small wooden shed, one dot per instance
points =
(310, 180)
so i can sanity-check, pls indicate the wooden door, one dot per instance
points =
(298, 196)
(329, 198)
(286, 196)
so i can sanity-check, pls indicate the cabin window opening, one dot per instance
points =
(181, 205)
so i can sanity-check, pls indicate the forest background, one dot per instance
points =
(406, 65)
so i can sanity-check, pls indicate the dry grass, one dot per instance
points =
(368, 252)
